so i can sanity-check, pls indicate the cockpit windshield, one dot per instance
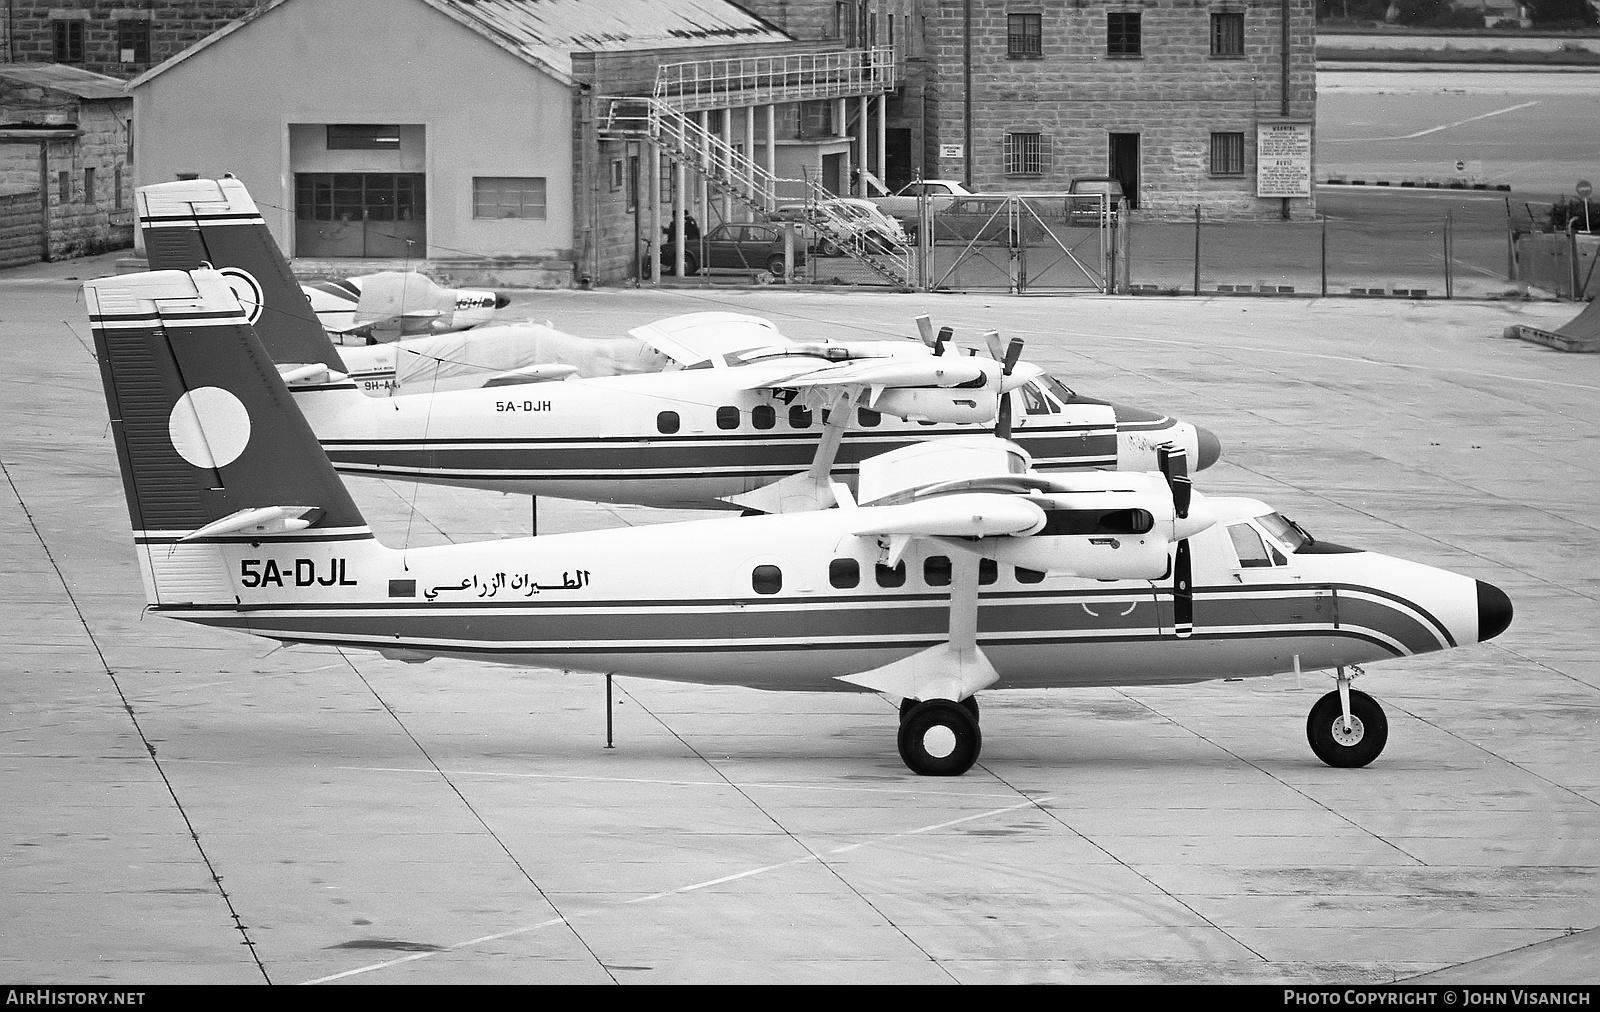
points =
(1059, 390)
(1292, 535)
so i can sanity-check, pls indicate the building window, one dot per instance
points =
(1024, 35)
(133, 41)
(1122, 34)
(1227, 35)
(1025, 155)
(363, 137)
(633, 182)
(1227, 154)
(116, 189)
(616, 175)
(508, 197)
(63, 186)
(88, 186)
(68, 41)
(127, 136)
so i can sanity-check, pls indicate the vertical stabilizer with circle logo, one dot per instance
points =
(211, 445)
(190, 224)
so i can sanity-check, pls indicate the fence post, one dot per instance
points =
(1324, 254)
(1197, 249)
(1511, 256)
(1449, 276)
(1572, 253)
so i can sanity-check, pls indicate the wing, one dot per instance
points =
(706, 339)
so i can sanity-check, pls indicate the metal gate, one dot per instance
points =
(1022, 242)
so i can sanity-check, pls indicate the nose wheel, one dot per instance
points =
(939, 737)
(1352, 743)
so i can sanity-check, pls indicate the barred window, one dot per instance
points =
(1024, 34)
(1227, 154)
(1227, 35)
(508, 197)
(1026, 154)
(67, 41)
(1123, 33)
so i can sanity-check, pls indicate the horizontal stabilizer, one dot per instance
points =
(798, 493)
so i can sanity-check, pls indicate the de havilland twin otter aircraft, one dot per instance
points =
(707, 410)
(954, 568)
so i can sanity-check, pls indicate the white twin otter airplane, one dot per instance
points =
(708, 410)
(955, 567)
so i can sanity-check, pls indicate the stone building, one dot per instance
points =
(119, 39)
(66, 160)
(1206, 103)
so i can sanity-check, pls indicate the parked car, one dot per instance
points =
(883, 232)
(739, 247)
(1089, 189)
(814, 230)
(905, 204)
(974, 219)
(830, 224)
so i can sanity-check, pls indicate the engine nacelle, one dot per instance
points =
(940, 404)
(1093, 557)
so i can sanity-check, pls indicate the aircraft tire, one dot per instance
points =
(1325, 730)
(939, 738)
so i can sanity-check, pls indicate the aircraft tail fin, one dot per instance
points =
(210, 442)
(190, 224)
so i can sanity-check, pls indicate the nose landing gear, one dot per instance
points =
(1347, 735)
(939, 737)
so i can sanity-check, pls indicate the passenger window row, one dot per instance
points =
(764, 416)
(845, 574)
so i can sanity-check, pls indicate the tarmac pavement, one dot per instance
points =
(186, 806)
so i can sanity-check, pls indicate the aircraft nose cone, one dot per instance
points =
(1210, 448)
(501, 300)
(1494, 611)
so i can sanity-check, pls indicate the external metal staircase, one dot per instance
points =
(666, 118)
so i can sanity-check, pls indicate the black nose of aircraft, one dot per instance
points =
(1494, 611)
(1210, 448)
(501, 300)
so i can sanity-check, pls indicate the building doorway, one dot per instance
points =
(360, 214)
(1125, 166)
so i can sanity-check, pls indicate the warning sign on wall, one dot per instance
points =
(1283, 159)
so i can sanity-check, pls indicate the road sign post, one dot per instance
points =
(1584, 188)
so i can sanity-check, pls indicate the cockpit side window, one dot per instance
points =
(1248, 545)
(1034, 401)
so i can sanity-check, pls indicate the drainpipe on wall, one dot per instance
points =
(44, 200)
(966, 105)
(1283, 86)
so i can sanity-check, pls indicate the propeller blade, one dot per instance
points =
(925, 328)
(945, 334)
(1174, 464)
(1013, 352)
(1002, 422)
(997, 351)
(1182, 593)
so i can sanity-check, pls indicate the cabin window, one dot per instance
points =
(766, 579)
(844, 573)
(1247, 543)
(667, 422)
(936, 570)
(887, 577)
(1029, 575)
(727, 417)
(988, 572)
(868, 417)
(763, 417)
(799, 417)
(1098, 522)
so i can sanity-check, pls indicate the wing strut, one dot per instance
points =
(954, 669)
(812, 489)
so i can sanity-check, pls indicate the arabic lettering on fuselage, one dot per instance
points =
(492, 584)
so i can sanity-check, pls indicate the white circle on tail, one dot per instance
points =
(209, 427)
(247, 288)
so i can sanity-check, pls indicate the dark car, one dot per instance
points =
(741, 247)
(974, 219)
(1085, 195)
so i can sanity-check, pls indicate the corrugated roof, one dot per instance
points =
(59, 77)
(546, 32)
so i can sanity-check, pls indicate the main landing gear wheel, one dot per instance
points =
(1347, 749)
(939, 738)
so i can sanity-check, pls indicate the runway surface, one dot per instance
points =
(188, 806)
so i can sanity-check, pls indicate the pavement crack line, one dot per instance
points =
(133, 718)
(560, 918)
